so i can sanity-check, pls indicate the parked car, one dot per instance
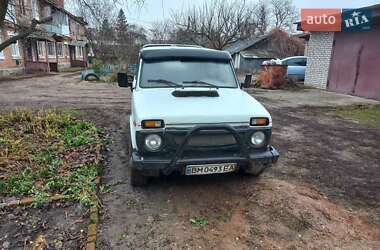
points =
(190, 115)
(296, 66)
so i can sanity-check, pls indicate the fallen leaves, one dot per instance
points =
(47, 153)
(39, 243)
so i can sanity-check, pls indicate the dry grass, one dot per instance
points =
(47, 153)
(366, 114)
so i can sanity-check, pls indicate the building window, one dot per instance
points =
(35, 12)
(14, 47)
(1, 52)
(22, 7)
(60, 50)
(41, 49)
(79, 51)
(11, 12)
(51, 49)
(15, 50)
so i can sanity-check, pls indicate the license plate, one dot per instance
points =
(210, 169)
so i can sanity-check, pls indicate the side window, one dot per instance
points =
(296, 62)
(303, 62)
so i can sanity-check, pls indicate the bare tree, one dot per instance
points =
(217, 23)
(23, 27)
(136, 39)
(284, 13)
(91, 9)
(3, 11)
(95, 11)
(161, 32)
(262, 17)
(284, 45)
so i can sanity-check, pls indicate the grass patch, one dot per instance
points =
(296, 223)
(199, 221)
(366, 114)
(71, 69)
(48, 153)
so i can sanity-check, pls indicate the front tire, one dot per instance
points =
(137, 178)
(255, 169)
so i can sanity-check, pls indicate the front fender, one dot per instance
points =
(132, 130)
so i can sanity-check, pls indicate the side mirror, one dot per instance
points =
(124, 80)
(247, 81)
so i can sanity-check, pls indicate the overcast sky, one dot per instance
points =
(155, 10)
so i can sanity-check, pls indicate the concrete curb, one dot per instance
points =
(94, 218)
(94, 209)
(94, 212)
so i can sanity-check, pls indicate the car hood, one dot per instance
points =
(231, 106)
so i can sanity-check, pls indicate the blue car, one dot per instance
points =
(296, 66)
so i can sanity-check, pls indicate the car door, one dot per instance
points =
(296, 67)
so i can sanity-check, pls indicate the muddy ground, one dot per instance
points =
(323, 193)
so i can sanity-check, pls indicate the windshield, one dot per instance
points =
(176, 73)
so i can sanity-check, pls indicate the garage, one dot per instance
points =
(346, 62)
(355, 63)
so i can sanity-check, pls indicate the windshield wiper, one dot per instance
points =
(167, 82)
(202, 82)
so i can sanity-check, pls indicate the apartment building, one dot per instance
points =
(57, 44)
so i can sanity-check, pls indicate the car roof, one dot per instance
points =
(178, 52)
(293, 57)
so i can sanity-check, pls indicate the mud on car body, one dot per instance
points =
(190, 115)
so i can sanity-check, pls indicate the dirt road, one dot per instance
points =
(324, 192)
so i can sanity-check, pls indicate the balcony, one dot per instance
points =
(61, 30)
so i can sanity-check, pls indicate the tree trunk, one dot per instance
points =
(3, 11)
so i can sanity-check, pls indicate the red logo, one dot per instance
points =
(321, 19)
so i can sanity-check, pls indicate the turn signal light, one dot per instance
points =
(152, 124)
(259, 121)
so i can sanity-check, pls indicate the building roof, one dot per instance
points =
(172, 52)
(242, 45)
(259, 53)
(303, 35)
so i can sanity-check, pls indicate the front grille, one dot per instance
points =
(207, 140)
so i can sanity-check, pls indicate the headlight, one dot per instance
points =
(153, 142)
(258, 139)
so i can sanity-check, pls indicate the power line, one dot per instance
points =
(163, 9)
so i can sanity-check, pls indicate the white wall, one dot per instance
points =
(319, 49)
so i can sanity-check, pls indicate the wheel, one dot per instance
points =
(255, 169)
(91, 77)
(137, 178)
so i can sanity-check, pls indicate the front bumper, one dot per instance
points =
(156, 165)
(177, 159)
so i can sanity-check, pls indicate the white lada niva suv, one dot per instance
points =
(190, 115)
